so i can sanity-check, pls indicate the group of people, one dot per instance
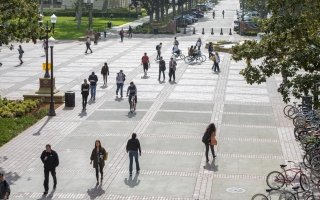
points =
(214, 56)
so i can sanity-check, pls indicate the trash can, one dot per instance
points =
(69, 99)
(155, 31)
(307, 102)
(109, 24)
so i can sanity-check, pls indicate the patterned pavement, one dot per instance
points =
(253, 135)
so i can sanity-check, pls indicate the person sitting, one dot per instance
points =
(191, 50)
(176, 50)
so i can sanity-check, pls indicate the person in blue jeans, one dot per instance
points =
(133, 146)
(121, 77)
(93, 79)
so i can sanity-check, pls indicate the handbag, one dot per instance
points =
(213, 140)
(106, 156)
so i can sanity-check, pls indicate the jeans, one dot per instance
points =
(46, 178)
(93, 91)
(172, 73)
(99, 168)
(216, 67)
(84, 100)
(88, 48)
(207, 150)
(119, 86)
(164, 76)
(121, 38)
(105, 79)
(135, 155)
(158, 54)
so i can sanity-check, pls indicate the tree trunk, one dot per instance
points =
(151, 17)
(174, 8)
(162, 9)
(79, 13)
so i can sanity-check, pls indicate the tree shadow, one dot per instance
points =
(42, 127)
(95, 192)
(132, 182)
(10, 177)
(211, 166)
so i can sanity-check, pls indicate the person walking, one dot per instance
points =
(133, 146)
(21, 52)
(105, 73)
(213, 14)
(121, 77)
(210, 49)
(162, 68)
(121, 33)
(199, 43)
(93, 79)
(4, 187)
(158, 48)
(130, 31)
(209, 140)
(172, 69)
(98, 156)
(223, 14)
(176, 42)
(217, 61)
(145, 63)
(88, 44)
(50, 161)
(85, 93)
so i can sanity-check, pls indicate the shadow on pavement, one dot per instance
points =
(95, 192)
(83, 113)
(131, 114)
(118, 99)
(132, 182)
(42, 127)
(11, 177)
(211, 166)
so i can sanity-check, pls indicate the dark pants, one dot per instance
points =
(105, 79)
(20, 58)
(207, 150)
(99, 168)
(158, 54)
(164, 76)
(121, 38)
(130, 98)
(46, 178)
(145, 67)
(93, 89)
(84, 100)
(172, 73)
(135, 155)
(130, 35)
(199, 48)
(119, 87)
(216, 67)
(88, 48)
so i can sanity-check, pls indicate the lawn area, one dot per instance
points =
(66, 27)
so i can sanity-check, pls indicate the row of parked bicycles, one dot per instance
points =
(303, 180)
(197, 58)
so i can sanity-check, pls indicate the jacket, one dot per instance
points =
(162, 65)
(85, 89)
(105, 70)
(133, 145)
(98, 157)
(52, 160)
(94, 79)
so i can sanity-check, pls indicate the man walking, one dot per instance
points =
(121, 33)
(85, 93)
(105, 73)
(158, 48)
(88, 44)
(4, 188)
(172, 69)
(50, 160)
(145, 63)
(162, 68)
(121, 77)
(133, 146)
(21, 52)
(130, 31)
(93, 79)
(223, 14)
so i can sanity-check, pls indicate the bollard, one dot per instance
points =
(202, 31)
(105, 34)
(184, 30)
(212, 31)
(194, 30)
(230, 33)
(221, 33)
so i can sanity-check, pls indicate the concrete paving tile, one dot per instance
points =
(192, 96)
(246, 90)
(176, 129)
(248, 109)
(124, 105)
(241, 119)
(170, 144)
(187, 106)
(247, 98)
(182, 117)
(245, 132)
(198, 89)
(116, 115)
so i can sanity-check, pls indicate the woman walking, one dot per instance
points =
(105, 73)
(209, 139)
(85, 93)
(98, 156)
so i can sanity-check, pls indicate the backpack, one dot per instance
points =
(157, 47)
(206, 137)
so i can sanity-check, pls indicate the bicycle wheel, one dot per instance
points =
(315, 163)
(259, 197)
(275, 180)
(182, 56)
(292, 112)
(306, 161)
(199, 59)
(286, 195)
(286, 108)
(204, 57)
(311, 197)
(188, 59)
(304, 182)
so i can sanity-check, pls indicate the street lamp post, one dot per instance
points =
(49, 30)
(51, 109)
(89, 4)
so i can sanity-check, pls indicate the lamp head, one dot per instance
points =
(51, 41)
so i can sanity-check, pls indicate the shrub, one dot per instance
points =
(11, 109)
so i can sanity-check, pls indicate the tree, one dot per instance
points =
(78, 5)
(149, 5)
(256, 5)
(290, 47)
(19, 20)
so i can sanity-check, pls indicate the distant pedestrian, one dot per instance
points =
(198, 44)
(88, 44)
(105, 73)
(213, 14)
(21, 52)
(130, 31)
(162, 68)
(85, 93)
(121, 33)
(44, 46)
(176, 42)
(133, 146)
(172, 69)
(93, 79)
(158, 48)
(217, 62)
(98, 156)
(4, 188)
(210, 49)
(145, 63)
(209, 140)
(121, 77)
(223, 13)
(50, 160)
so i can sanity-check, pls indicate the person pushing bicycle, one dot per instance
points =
(132, 93)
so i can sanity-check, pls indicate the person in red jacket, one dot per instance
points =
(145, 63)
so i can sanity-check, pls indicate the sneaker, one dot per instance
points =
(54, 187)
(45, 193)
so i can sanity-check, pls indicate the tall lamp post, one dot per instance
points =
(52, 112)
(49, 30)
(89, 4)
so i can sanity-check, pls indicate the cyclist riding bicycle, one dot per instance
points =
(176, 50)
(132, 92)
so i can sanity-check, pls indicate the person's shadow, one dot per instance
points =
(95, 192)
(211, 166)
(83, 113)
(132, 182)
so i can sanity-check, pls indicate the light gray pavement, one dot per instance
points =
(253, 135)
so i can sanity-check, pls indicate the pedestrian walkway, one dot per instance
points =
(253, 135)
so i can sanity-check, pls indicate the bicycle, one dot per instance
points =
(190, 59)
(279, 194)
(133, 104)
(306, 195)
(276, 180)
(178, 56)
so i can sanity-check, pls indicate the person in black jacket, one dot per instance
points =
(93, 79)
(4, 188)
(162, 68)
(85, 93)
(133, 146)
(206, 139)
(98, 157)
(105, 73)
(50, 160)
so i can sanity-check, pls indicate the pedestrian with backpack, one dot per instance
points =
(158, 48)
(162, 68)
(105, 73)
(121, 77)
(209, 139)
(4, 188)
(21, 52)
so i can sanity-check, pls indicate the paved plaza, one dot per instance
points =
(254, 137)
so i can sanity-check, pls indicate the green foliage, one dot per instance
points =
(18, 20)
(116, 13)
(290, 47)
(11, 109)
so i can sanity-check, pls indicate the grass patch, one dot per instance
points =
(66, 27)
